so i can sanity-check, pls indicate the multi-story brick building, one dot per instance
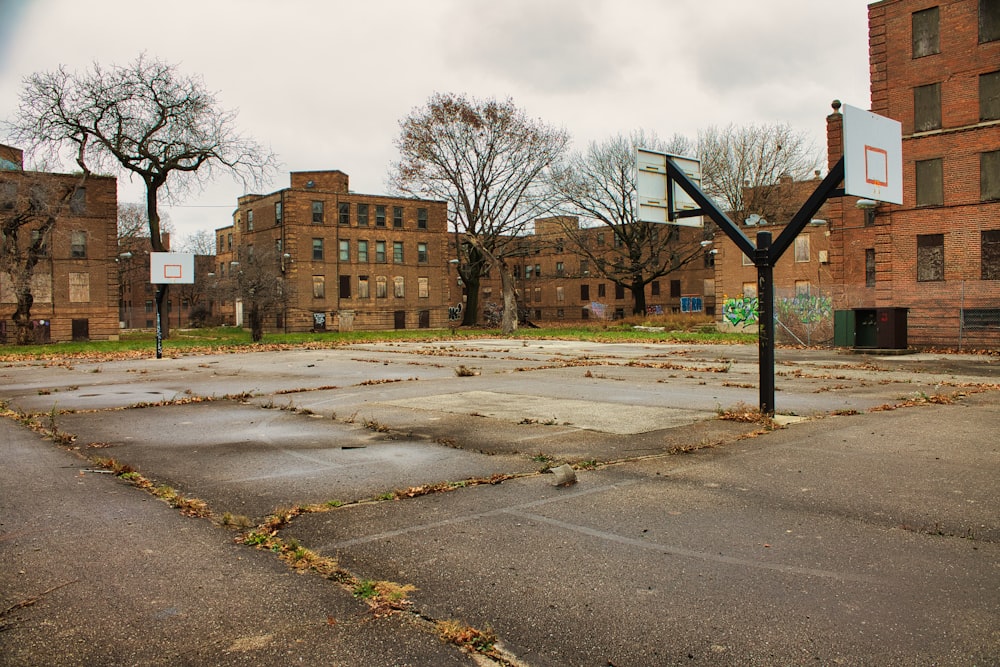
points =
(74, 284)
(351, 260)
(556, 282)
(935, 68)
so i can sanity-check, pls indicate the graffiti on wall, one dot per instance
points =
(805, 308)
(740, 311)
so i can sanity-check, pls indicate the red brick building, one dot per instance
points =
(352, 260)
(935, 68)
(74, 284)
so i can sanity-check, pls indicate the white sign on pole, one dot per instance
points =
(171, 268)
(653, 185)
(873, 156)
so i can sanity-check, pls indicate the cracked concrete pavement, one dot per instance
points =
(866, 532)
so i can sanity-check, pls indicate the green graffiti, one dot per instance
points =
(805, 308)
(741, 311)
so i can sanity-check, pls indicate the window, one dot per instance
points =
(345, 251)
(654, 288)
(801, 288)
(363, 252)
(79, 287)
(317, 250)
(345, 287)
(619, 291)
(380, 216)
(869, 267)
(421, 218)
(398, 290)
(559, 245)
(538, 294)
(363, 292)
(317, 209)
(250, 220)
(927, 107)
(344, 213)
(709, 259)
(746, 260)
(78, 245)
(528, 271)
(600, 238)
(602, 291)
(802, 248)
(277, 212)
(989, 96)
(991, 254)
(397, 217)
(362, 215)
(149, 306)
(229, 242)
(538, 270)
(930, 257)
(584, 267)
(749, 290)
(989, 175)
(397, 252)
(989, 21)
(930, 190)
(422, 253)
(926, 39)
(380, 252)
(423, 288)
(41, 287)
(560, 268)
(584, 292)
(675, 289)
(78, 202)
(319, 287)
(560, 294)
(982, 319)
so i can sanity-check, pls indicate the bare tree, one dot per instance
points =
(257, 282)
(201, 242)
(29, 210)
(600, 187)
(749, 169)
(486, 158)
(144, 118)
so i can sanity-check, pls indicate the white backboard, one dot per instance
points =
(171, 268)
(873, 156)
(651, 183)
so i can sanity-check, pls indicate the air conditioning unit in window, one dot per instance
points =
(824, 257)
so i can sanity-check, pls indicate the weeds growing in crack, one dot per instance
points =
(384, 597)
(468, 637)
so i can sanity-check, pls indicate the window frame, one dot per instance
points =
(927, 107)
(928, 192)
(930, 265)
(318, 212)
(925, 21)
(344, 213)
(317, 250)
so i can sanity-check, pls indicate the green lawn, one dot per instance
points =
(193, 341)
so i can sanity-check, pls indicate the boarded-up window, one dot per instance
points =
(423, 288)
(6, 289)
(79, 287)
(41, 287)
(991, 254)
(363, 291)
(927, 107)
(989, 20)
(989, 175)
(560, 294)
(926, 36)
(675, 289)
(929, 181)
(802, 248)
(398, 287)
(749, 290)
(869, 267)
(930, 257)
(319, 287)
(989, 96)
(381, 287)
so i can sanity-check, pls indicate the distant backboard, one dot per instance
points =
(873, 156)
(656, 192)
(171, 268)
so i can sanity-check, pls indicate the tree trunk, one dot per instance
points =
(256, 318)
(638, 289)
(509, 322)
(22, 317)
(156, 241)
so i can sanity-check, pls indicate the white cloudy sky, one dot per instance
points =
(324, 83)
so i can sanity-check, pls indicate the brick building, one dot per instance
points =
(74, 285)
(555, 282)
(935, 67)
(352, 260)
(187, 305)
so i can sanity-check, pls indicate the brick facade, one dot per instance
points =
(77, 295)
(353, 261)
(955, 307)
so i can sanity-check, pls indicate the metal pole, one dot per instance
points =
(765, 339)
(159, 327)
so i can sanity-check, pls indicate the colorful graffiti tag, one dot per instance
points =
(741, 311)
(805, 308)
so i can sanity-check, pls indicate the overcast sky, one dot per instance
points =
(325, 83)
